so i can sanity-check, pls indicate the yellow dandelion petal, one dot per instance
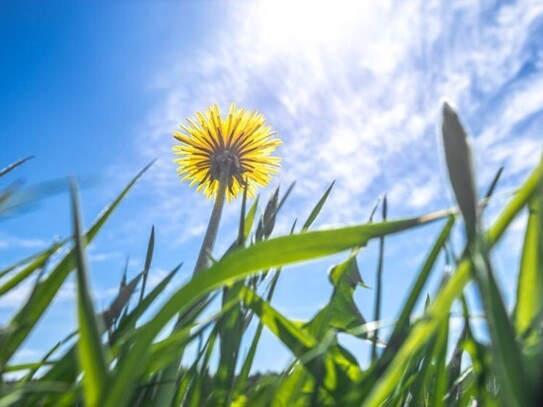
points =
(239, 145)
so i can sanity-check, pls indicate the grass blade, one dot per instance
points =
(460, 167)
(530, 280)
(91, 351)
(148, 260)
(11, 167)
(317, 209)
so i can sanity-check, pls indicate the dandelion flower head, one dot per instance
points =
(238, 146)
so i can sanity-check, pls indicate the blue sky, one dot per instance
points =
(353, 88)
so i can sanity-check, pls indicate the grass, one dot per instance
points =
(117, 358)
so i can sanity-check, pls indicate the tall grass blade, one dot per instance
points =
(249, 219)
(530, 280)
(507, 358)
(148, 260)
(460, 167)
(317, 209)
(91, 352)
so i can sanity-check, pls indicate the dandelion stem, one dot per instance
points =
(213, 225)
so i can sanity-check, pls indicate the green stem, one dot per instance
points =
(213, 225)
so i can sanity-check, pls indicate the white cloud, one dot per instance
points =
(105, 256)
(14, 242)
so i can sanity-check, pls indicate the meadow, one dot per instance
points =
(123, 356)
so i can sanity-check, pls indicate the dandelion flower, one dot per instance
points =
(237, 148)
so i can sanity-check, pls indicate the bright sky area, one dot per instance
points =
(95, 89)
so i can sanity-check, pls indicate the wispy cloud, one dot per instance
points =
(15, 242)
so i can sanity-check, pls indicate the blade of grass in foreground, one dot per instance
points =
(239, 264)
(439, 310)
(507, 358)
(27, 317)
(530, 279)
(460, 168)
(91, 352)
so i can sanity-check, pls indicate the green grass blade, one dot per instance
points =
(241, 228)
(317, 209)
(248, 362)
(440, 363)
(148, 260)
(460, 168)
(530, 280)
(249, 219)
(507, 357)
(90, 349)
